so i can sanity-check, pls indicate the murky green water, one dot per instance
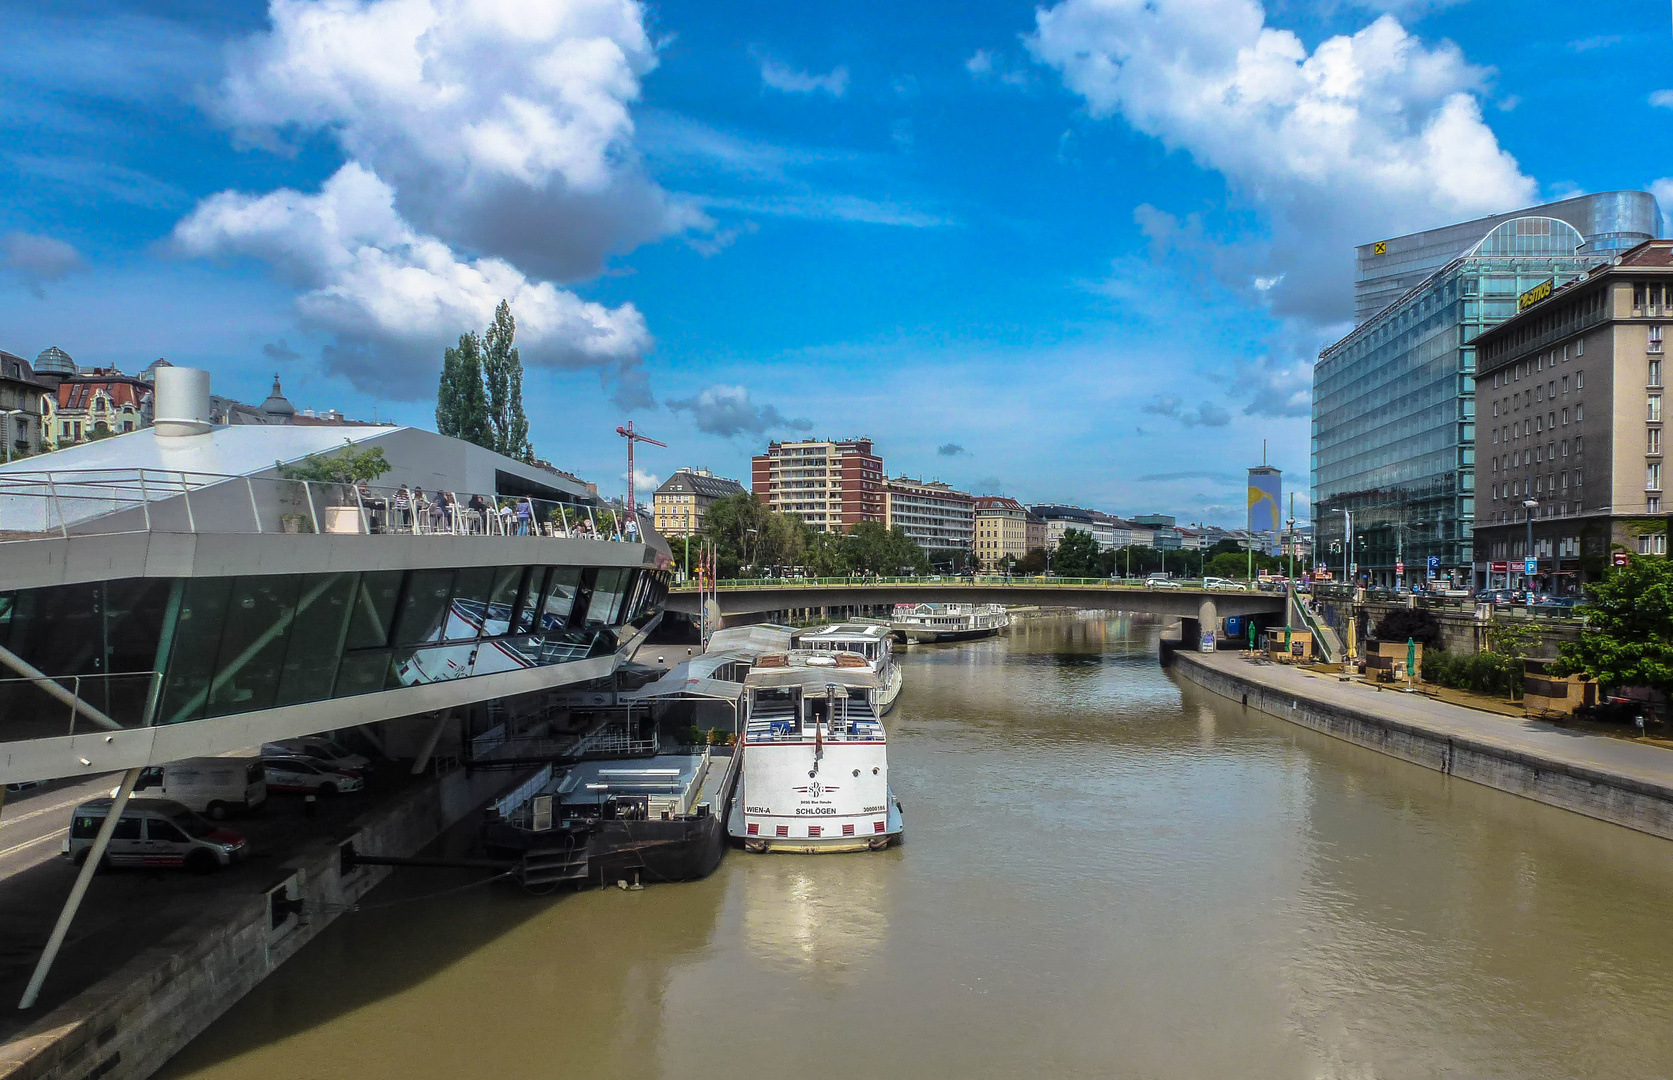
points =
(1106, 874)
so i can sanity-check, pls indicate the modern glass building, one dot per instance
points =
(1394, 401)
(1385, 270)
(192, 588)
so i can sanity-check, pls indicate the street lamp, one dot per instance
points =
(1529, 505)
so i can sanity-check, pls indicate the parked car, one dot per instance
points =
(215, 786)
(1160, 581)
(1224, 583)
(316, 746)
(308, 776)
(153, 832)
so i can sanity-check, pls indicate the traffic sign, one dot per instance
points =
(1619, 558)
(1434, 562)
(1530, 566)
(1400, 567)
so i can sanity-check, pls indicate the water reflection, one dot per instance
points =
(819, 914)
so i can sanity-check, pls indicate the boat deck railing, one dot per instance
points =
(67, 502)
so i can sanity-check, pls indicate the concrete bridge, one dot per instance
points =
(1196, 607)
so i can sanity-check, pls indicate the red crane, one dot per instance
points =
(632, 437)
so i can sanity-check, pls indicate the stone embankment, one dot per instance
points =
(1613, 780)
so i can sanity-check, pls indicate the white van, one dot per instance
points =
(216, 786)
(153, 832)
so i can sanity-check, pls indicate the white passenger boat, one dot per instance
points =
(869, 641)
(815, 757)
(949, 622)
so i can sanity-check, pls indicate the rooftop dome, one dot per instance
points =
(277, 407)
(55, 361)
(1531, 235)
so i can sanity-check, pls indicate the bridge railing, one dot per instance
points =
(982, 580)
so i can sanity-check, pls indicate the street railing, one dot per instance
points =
(103, 501)
(982, 580)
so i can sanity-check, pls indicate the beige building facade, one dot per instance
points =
(680, 503)
(1570, 425)
(1001, 531)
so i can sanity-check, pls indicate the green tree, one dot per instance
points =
(502, 377)
(461, 400)
(1076, 555)
(737, 524)
(870, 547)
(1628, 638)
(1033, 561)
(346, 466)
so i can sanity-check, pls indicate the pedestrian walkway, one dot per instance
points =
(1643, 762)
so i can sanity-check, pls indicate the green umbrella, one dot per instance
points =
(1251, 636)
(1411, 659)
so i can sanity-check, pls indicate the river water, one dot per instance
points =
(1107, 873)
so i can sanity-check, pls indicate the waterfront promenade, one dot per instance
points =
(1629, 783)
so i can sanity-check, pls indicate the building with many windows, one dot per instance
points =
(1394, 407)
(1060, 519)
(102, 402)
(940, 519)
(832, 485)
(1570, 425)
(1608, 222)
(682, 500)
(22, 396)
(1001, 531)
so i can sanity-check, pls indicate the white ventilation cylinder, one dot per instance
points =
(182, 402)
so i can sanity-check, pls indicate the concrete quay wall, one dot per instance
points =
(131, 1022)
(1622, 800)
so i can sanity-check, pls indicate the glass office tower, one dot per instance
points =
(1394, 405)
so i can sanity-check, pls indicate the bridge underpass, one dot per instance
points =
(1196, 608)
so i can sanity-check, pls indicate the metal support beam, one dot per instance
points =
(95, 855)
(51, 686)
(422, 761)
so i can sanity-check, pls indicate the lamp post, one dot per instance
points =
(1529, 505)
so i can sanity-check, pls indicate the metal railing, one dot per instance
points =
(984, 580)
(67, 502)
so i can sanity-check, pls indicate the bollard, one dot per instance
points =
(310, 805)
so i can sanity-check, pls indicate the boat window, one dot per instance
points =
(197, 640)
(607, 596)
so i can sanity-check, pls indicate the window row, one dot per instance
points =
(236, 644)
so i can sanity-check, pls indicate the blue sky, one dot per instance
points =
(1077, 252)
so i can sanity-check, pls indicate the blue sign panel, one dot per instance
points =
(1530, 566)
(1434, 562)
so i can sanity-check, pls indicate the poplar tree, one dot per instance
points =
(461, 402)
(502, 374)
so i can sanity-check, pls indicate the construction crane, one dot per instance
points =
(634, 437)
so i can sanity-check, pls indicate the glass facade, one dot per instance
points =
(1394, 406)
(226, 645)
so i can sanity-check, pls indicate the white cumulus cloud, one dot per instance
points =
(505, 126)
(394, 296)
(1367, 135)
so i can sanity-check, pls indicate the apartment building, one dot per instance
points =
(1570, 425)
(935, 515)
(680, 503)
(1001, 531)
(832, 485)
